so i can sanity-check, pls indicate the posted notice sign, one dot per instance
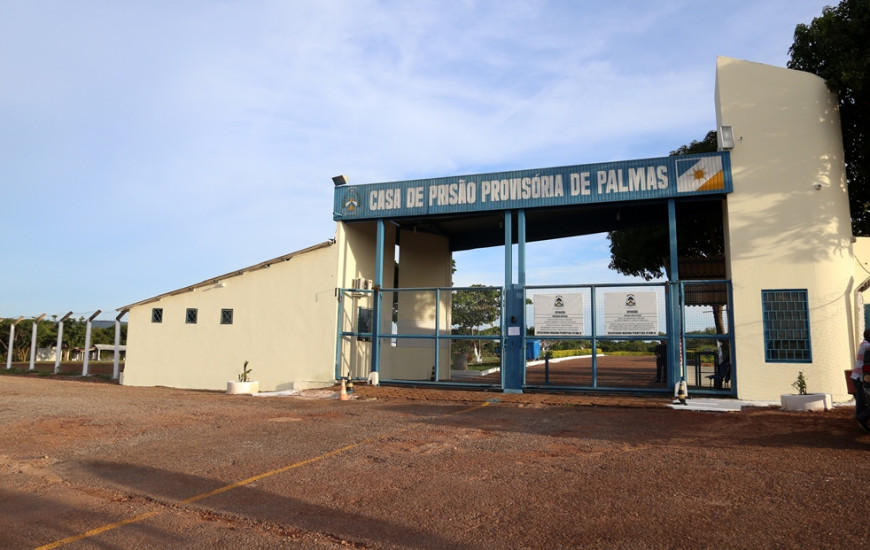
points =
(558, 314)
(631, 313)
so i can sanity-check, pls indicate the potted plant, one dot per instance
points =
(244, 384)
(803, 401)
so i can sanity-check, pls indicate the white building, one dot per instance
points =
(789, 287)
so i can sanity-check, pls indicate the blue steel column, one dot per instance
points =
(672, 234)
(514, 356)
(521, 248)
(521, 294)
(339, 337)
(506, 296)
(376, 298)
(437, 331)
(508, 250)
(594, 338)
(673, 301)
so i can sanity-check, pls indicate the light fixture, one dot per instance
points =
(726, 138)
(339, 180)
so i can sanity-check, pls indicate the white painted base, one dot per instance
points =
(809, 402)
(242, 387)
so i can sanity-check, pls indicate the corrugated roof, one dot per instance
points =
(236, 273)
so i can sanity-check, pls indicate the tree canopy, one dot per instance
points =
(475, 309)
(836, 47)
(645, 251)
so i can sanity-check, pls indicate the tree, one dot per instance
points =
(645, 251)
(475, 309)
(73, 335)
(836, 47)
(46, 332)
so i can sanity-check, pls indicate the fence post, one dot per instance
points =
(88, 341)
(9, 349)
(60, 342)
(116, 368)
(33, 342)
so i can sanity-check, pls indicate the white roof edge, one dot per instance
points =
(236, 273)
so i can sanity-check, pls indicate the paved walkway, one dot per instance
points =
(636, 401)
(363, 391)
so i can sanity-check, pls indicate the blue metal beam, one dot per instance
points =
(376, 306)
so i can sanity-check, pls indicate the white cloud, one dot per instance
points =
(192, 138)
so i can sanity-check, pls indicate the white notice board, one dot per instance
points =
(631, 314)
(558, 314)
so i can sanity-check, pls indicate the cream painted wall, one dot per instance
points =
(356, 243)
(284, 320)
(424, 262)
(356, 257)
(783, 232)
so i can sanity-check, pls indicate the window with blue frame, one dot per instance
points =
(786, 326)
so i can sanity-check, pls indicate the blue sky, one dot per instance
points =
(148, 145)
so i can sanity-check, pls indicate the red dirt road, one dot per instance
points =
(96, 465)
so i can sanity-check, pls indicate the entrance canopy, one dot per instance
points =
(470, 231)
(484, 210)
(468, 209)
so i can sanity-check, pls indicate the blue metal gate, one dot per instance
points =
(486, 337)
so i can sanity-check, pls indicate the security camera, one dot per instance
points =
(817, 186)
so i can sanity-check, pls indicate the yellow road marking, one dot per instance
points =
(242, 483)
(98, 530)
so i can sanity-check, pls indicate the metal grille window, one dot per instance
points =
(364, 323)
(190, 317)
(226, 317)
(786, 326)
(157, 315)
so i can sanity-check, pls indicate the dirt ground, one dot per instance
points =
(87, 464)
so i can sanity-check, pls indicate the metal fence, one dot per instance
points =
(577, 337)
(425, 336)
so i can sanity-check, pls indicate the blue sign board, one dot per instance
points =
(658, 178)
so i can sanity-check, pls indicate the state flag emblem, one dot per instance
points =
(351, 202)
(704, 174)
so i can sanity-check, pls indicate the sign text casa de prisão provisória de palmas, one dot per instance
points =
(657, 178)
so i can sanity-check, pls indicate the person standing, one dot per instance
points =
(661, 352)
(861, 412)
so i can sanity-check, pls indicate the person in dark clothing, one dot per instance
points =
(861, 411)
(661, 351)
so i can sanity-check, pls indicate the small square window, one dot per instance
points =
(226, 317)
(190, 317)
(157, 315)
